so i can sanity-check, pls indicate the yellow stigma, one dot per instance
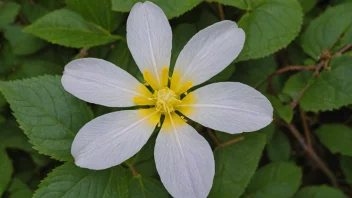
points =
(166, 100)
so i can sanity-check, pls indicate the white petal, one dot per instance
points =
(100, 82)
(229, 107)
(149, 38)
(209, 52)
(184, 161)
(111, 139)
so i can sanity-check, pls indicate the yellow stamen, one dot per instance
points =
(172, 120)
(165, 76)
(175, 80)
(150, 80)
(185, 105)
(185, 87)
(154, 118)
(166, 99)
(146, 98)
(177, 86)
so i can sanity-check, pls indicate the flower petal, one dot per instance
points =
(208, 52)
(101, 82)
(111, 139)
(229, 107)
(184, 160)
(149, 38)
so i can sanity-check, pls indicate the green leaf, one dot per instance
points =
(241, 4)
(2, 103)
(69, 180)
(206, 19)
(279, 148)
(69, 29)
(346, 166)
(171, 8)
(331, 90)
(8, 12)
(143, 161)
(285, 112)
(121, 56)
(275, 180)
(235, 165)
(32, 12)
(323, 32)
(49, 115)
(146, 187)
(224, 75)
(18, 189)
(98, 12)
(181, 35)
(254, 72)
(22, 43)
(336, 137)
(5, 170)
(319, 192)
(346, 39)
(35, 67)
(296, 83)
(9, 61)
(268, 131)
(270, 26)
(307, 5)
(11, 136)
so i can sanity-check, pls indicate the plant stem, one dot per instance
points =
(312, 154)
(235, 140)
(213, 137)
(295, 102)
(291, 68)
(133, 170)
(221, 11)
(306, 128)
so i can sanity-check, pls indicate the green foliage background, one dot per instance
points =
(297, 52)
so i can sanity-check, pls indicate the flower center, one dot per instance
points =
(166, 99)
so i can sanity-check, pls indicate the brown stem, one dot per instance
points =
(295, 102)
(319, 66)
(133, 170)
(235, 140)
(213, 137)
(306, 128)
(83, 52)
(291, 68)
(312, 154)
(283, 70)
(345, 49)
(221, 11)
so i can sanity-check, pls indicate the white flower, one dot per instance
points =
(183, 158)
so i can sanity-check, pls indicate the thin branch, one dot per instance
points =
(283, 70)
(345, 49)
(235, 140)
(291, 68)
(306, 128)
(133, 170)
(83, 52)
(295, 102)
(312, 154)
(319, 66)
(221, 11)
(324, 60)
(213, 137)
